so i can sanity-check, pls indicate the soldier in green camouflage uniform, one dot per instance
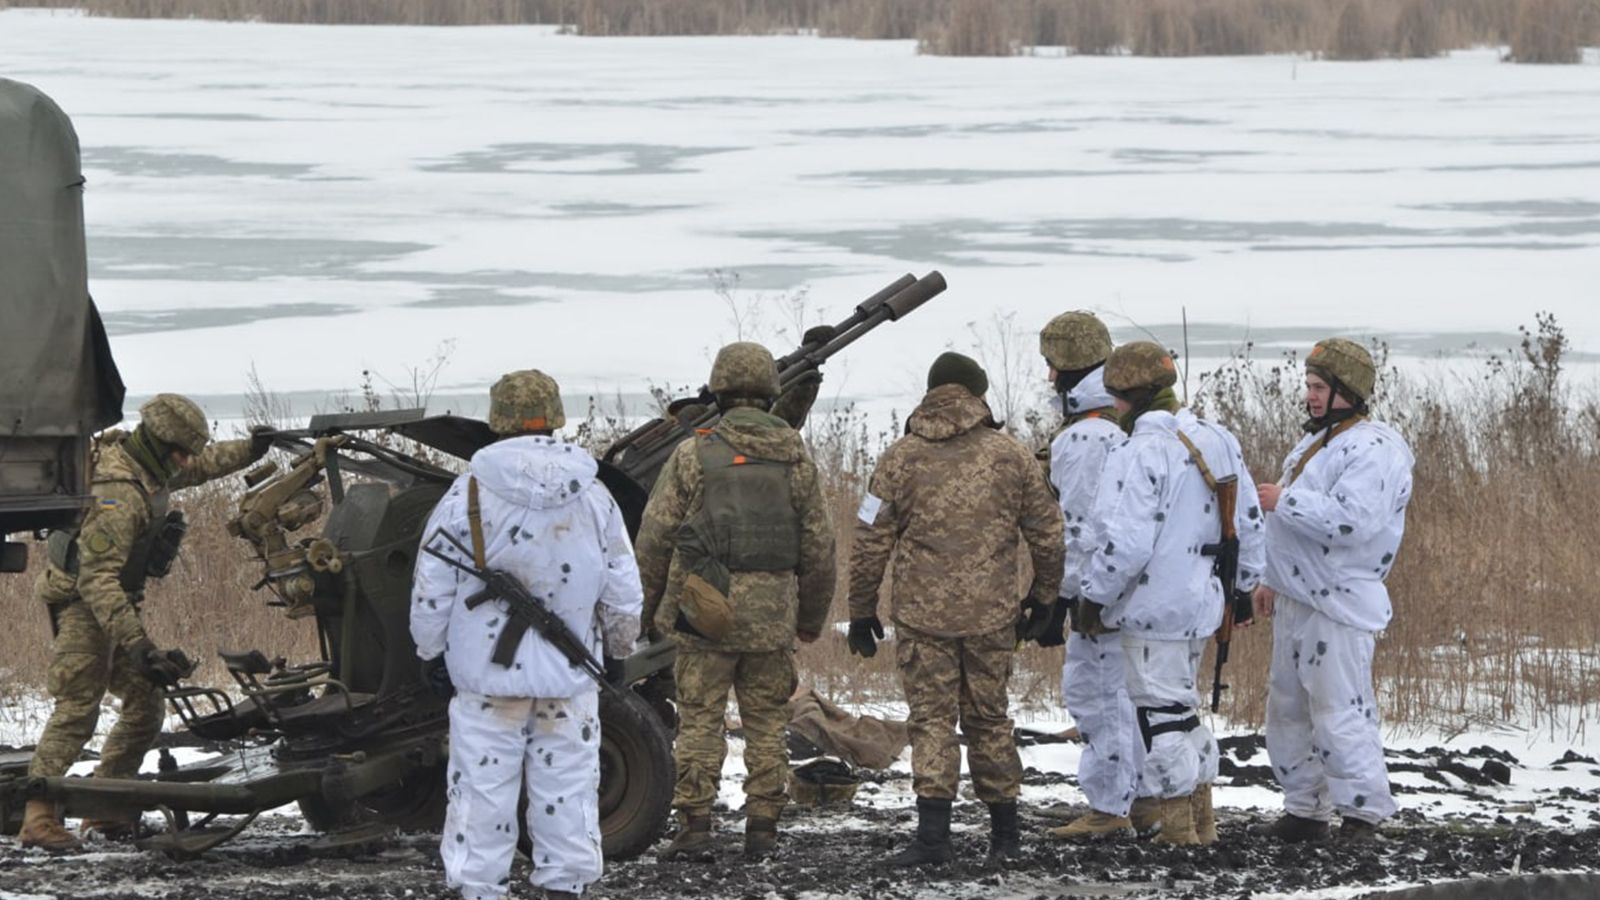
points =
(736, 522)
(951, 504)
(93, 587)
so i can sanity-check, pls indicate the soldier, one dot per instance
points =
(1334, 523)
(93, 587)
(1155, 511)
(529, 505)
(736, 556)
(948, 502)
(1094, 682)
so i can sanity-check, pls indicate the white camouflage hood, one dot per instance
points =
(535, 471)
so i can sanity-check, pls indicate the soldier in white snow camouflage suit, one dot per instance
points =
(547, 521)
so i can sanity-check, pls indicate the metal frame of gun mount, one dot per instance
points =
(355, 737)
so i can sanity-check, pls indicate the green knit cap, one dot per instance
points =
(954, 368)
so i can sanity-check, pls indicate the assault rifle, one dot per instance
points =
(642, 452)
(1236, 608)
(524, 612)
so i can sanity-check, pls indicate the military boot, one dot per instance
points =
(932, 843)
(1005, 834)
(1293, 829)
(1145, 814)
(760, 837)
(693, 841)
(1205, 816)
(1177, 822)
(42, 828)
(1093, 826)
(117, 829)
(1357, 831)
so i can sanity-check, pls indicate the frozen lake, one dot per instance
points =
(316, 201)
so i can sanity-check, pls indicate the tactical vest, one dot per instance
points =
(748, 510)
(152, 553)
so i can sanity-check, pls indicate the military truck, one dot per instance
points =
(58, 384)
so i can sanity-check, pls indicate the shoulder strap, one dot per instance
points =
(1335, 431)
(138, 485)
(475, 522)
(1199, 461)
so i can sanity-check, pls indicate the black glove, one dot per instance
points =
(162, 667)
(261, 437)
(864, 636)
(437, 677)
(1034, 621)
(614, 670)
(1055, 632)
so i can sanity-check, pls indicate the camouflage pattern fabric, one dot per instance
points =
(762, 684)
(794, 405)
(97, 621)
(960, 680)
(84, 665)
(1074, 340)
(744, 369)
(769, 607)
(1140, 365)
(1347, 361)
(528, 400)
(176, 420)
(950, 504)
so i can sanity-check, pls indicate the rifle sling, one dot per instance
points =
(475, 522)
(1333, 432)
(1199, 461)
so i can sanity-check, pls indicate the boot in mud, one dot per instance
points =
(1205, 815)
(1145, 814)
(1293, 829)
(1094, 826)
(1005, 834)
(760, 837)
(931, 846)
(42, 828)
(1177, 823)
(1357, 831)
(692, 843)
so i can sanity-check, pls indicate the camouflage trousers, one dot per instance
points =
(762, 683)
(960, 680)
(83, 667)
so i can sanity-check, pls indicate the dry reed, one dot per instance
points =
(1543, 31)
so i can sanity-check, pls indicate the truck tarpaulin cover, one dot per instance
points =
(56, 374)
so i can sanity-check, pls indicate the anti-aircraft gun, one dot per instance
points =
(354, 737)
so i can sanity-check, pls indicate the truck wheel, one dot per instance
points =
(414, 803)
(636, 778)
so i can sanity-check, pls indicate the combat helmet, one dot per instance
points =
(175, 420)
(1074, 340)
(1141, 365)
(527, 400)
(744, 369)
(1346, 365)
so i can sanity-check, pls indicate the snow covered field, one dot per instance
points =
(317, 201)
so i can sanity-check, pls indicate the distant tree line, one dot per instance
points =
(1535, 31)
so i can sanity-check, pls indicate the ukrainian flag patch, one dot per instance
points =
(107, 501)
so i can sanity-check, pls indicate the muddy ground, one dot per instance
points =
(836, 852)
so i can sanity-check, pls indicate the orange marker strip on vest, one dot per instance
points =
(533, 424)
(739, 460)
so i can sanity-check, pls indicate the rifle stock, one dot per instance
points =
(1227, 569)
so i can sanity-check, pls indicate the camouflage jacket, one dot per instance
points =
(769, 607)
(948, 503)
(127, 500)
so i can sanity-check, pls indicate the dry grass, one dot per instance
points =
(1542, 31)
(1492, 590)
